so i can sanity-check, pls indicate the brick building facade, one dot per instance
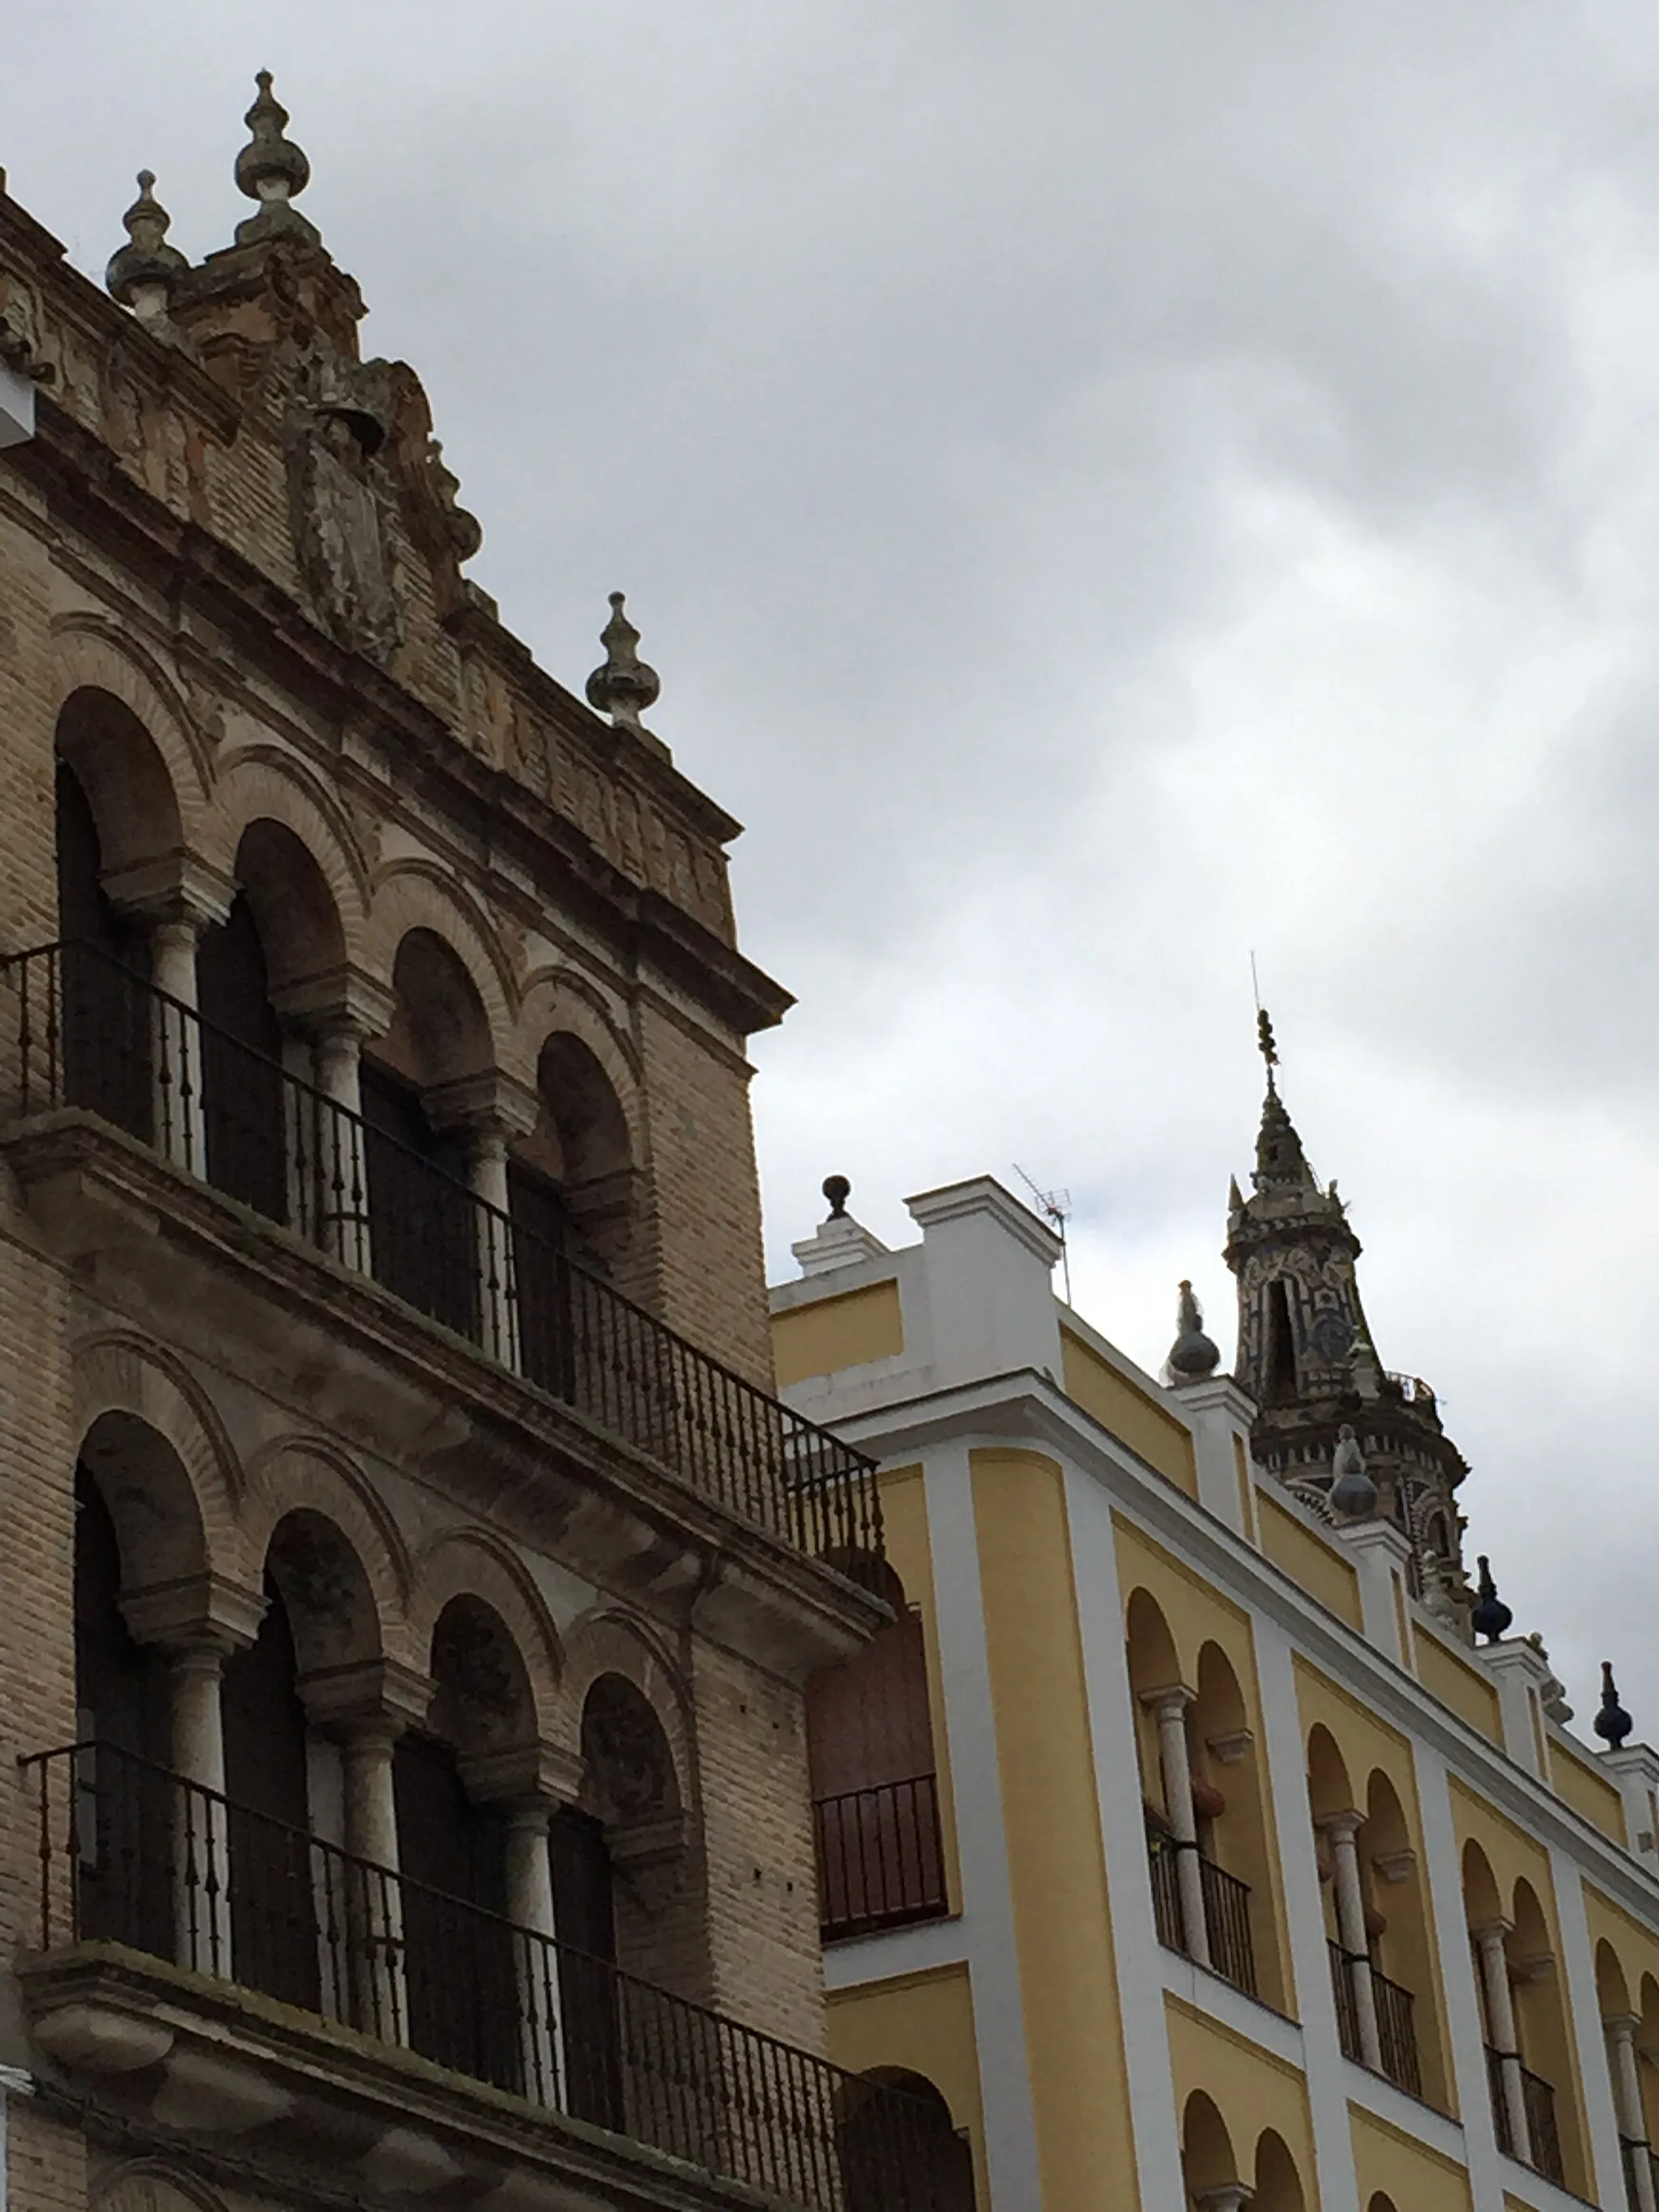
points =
(396, 1518)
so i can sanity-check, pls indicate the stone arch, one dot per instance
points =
(417, 894)
(152, 2185)
(1481, 1899)
(558, 1003)
(1207, 2158)
(262, 785)
(1329, 1788)
(628, 1762)
(310, 1476)
(1231, 1808)
(120, 1385)
(440, 1032)
(95, 655)
(130, 786)
(484, 1700)
(1278, 2180)
(469, 1563)
(1611, 1990)
(608, 1642)
(325, 1592)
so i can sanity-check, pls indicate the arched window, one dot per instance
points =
(1278, 2184)
(273, 1911)
(104, 1014)
(874, 1778)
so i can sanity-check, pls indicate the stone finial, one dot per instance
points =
(1611, 1723)
(838, 1190)
(1192, 1356)
(1489, 1616)
(144, 272)
(1352, 1492)
(624, 687)
(271, 169)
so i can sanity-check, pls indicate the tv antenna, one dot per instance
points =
(1055, 1207)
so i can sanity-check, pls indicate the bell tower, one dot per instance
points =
(1305, 1356)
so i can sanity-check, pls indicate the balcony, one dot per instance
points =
(1226, 1907)
(162, 1904)
(1541, 2147)
(1395, 2028)
(87, 1034)
(879, 1858)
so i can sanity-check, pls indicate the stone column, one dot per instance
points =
(1623, 2066)
(372, 1907)
(530, 1907)
(1230, 2196)
(497, 1297)
(201, 1867)
(1343, 1831)
(338, 1151)
(176, 1044)
(490, 1109)
(1489, 1940)
(1169, 1707)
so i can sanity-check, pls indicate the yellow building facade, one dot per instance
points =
(1226, 1871)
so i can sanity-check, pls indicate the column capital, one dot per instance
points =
(178, 889)
(369, 1697)
(1173, 1697)
(1341, 1827)
(1229, 2197)
(197, 1615)
(1622, 2026)
(523, 1776)
(341, 1002)
(1493, 1931)
(489, 1104)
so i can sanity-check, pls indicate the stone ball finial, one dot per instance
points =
(271, 169)
(1489, 1616)
(624, 687)
(1613, 1723)
(1352, 1492)
(838, 1190)
(1192, 1356)
(144, 272)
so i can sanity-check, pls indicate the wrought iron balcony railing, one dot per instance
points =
(1396, 2027)
(1227, 1922)
(89, 1033)
(881, 1863)
(133, 1854)
(1639, 2162)
(1226, 1911)
(1542, 2149)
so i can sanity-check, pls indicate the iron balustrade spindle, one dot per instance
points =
(1166, 1891)
(1540, 2100)
(1347, 2011)
(1227, 1922)
(1500, 2109)
(1396, 2031)
(90, 1033)
(879, 1857)
(135, 1855)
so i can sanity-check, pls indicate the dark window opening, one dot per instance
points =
(459, 1965)
(423, 1225)
(241, 1066)
(103, 1010)
(1280, 1377)
(273, 1882)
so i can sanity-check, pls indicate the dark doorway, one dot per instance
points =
(583, 1913)
(458, 1947)
(103, 1012)
(424, 1222)
(273, 1896)
(241, 1066)
(123, 1804)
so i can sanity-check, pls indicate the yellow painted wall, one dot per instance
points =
(830, 1334)
(1415, 2178)
(1459, 1683)
(1309, 1560)
(1636, 1949)
(1197, 1613)
(1148, 1429)
(1588, 1790)
(1368, 1743)
(1251, 2089)
(923, 2023)
(909, 1554)
(1051, 1820)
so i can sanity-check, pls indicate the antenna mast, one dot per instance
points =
(1055, 1207)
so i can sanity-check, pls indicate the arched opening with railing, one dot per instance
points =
(914, 2153)
(874, 1776)
(1201, 1790)
(1278, 2186)
(1528, 2047)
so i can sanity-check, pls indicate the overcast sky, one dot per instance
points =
(1107, 488)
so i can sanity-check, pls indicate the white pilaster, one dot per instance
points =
(1584, 2032)
(1520, 1671)
(1466, 2034)
(1380, 1552)
(990, 1293)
